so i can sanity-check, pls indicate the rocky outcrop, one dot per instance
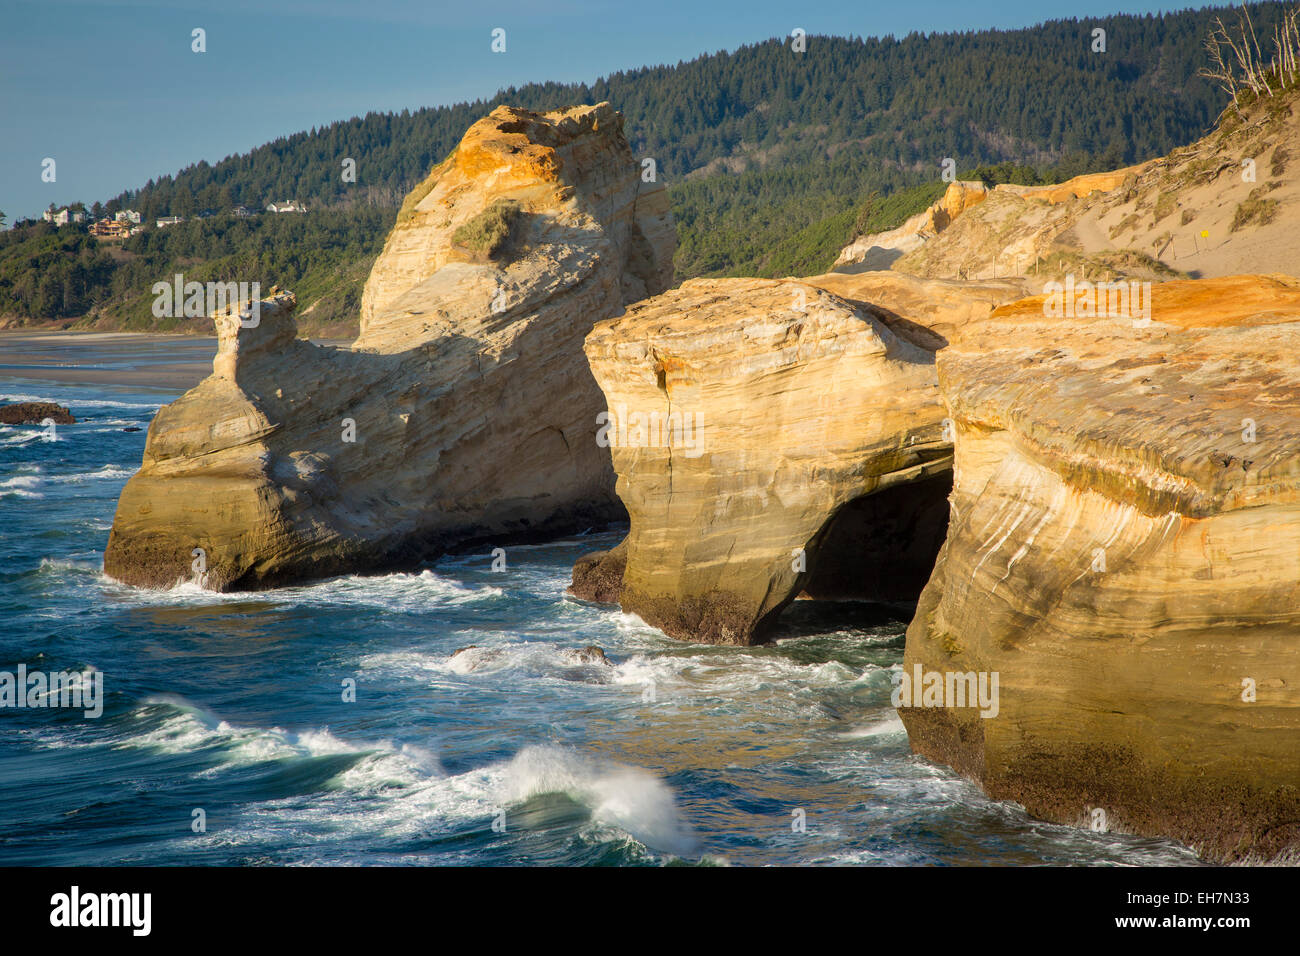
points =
(35, 413)
(464, 412)
(932, 310)
(1124, 553)
(1221, 206)
(880, 250)
(763, 429)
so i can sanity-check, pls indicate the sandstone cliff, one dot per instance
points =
(762, 431)
(465, 410)
(1221, 206)
(881, 250)
(1124, 551)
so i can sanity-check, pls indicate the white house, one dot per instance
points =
(63, 216)
(292, 205)
(128, 215)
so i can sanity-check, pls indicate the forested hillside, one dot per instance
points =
(770, 155)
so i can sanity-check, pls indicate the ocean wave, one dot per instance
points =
(74, 403)
(21, 487)
(404, 592)
(93, 567)
(174, 724)
(890, 726)
(103, 473)
(402, 789)
(535, 658)
(630, 799)
(22, 438)
(659, 676)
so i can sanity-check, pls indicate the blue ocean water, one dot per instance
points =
(233, 705)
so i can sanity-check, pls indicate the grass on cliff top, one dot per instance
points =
(1107, 266)
(487, 231)
(419, 192)
(1255, 209)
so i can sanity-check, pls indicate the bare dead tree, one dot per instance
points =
(1237, 60)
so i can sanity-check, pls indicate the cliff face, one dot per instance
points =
(1221, 206)
(464, 412)
(749, 421)
(881, 250)
(1124, 552)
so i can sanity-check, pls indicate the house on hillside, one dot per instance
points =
(169, 221)
(61, 217)
(128, 215)
(292, 205)
(110, 229)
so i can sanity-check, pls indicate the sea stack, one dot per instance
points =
(464, 413)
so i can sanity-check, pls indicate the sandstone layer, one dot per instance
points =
(465, 410)
(771, 437)
(881, 250)
(1124, 552)
(1223, 205)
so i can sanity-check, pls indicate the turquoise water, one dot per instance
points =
(234, 705)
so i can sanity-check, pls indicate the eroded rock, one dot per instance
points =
(1124, 552)
(35, 413)
(464, 412)
(744, 416)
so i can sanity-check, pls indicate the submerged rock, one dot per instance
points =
(1124, 554)
(464, 412)
(591, 654)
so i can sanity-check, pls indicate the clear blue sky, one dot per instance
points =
(112, 91)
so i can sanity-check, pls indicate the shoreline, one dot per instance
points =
(165, 360)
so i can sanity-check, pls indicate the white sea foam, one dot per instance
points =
(187, 727)
(391, 592)
(103, 473)
(629, 798)
(22, 486)
(890, 726)
(76, 403)
(20, 437)
(402, 790)
(88, 566)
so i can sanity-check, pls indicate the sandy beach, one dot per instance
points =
(145, 359)
(121, 358)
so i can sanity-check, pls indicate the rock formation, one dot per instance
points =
(882, 249)
(464, 412)
(1221, 206)
(1124, 552)
(761, 429)
(34, 413)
